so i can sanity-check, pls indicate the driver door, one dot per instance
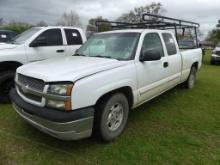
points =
(151, 74)
(50, 45)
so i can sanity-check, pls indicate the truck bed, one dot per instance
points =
(189, 56)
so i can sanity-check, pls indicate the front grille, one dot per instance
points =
(30, 96)
(32, 83)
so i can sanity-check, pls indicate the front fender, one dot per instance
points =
(16, 54)
(86, 92)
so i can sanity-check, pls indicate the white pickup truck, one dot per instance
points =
(36, 44)
(92, 92)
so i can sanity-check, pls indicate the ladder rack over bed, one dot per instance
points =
(152, 21)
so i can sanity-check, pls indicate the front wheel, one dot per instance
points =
(111, 117)
(190, 83)
(6, 83)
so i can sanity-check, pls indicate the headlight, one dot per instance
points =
(59, 92)
(59, 89)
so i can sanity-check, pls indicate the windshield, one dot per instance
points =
(118, 46)
(186, 44)
(20, 39)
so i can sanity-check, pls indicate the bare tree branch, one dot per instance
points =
(91, 27)
(42, 23)
(135, 15)
(69, 19)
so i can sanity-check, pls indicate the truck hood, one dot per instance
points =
(7, 46)
(68, 68)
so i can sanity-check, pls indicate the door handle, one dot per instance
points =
(165, 64)
(60, 51)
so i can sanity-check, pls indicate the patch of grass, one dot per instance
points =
(180, 127)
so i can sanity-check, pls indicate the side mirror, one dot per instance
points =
(41, 41)
(150, 55)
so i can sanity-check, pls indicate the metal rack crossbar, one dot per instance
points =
(152, 21)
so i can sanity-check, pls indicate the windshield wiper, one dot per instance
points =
(100, 56)
(77, 54)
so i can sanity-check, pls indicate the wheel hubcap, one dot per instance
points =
(115, 117)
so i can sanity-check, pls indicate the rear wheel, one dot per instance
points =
(6, 84)
(111, 117)
(190, 83)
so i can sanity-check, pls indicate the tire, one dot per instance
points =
(190, 83)
(212, 62)
(6, 84)
(111, 117)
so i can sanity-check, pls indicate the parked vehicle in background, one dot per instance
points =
(215, 58)
(93, 91)
(6, 35)
(207, 45)
(187, 44)
(36, 44)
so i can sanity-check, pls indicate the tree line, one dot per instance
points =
(214, 35)
(73, 19)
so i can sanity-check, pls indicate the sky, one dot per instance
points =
(205, 12)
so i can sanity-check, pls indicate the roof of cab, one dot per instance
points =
(134, 31)
(67, 27)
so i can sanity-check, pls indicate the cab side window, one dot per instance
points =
(52, 37)
(170, 44)
(73, 37)
(152, 42)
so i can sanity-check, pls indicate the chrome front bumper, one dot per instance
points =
(74, 130)
(65, 130)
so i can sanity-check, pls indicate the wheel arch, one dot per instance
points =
(126, 90)
(196, 65)
(9, 65)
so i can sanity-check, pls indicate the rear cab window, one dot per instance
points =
(6, 36)
(73, 37)
(3, 37)
(170, 44)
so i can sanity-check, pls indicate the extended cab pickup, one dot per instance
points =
(93, 91)
(35, 44)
